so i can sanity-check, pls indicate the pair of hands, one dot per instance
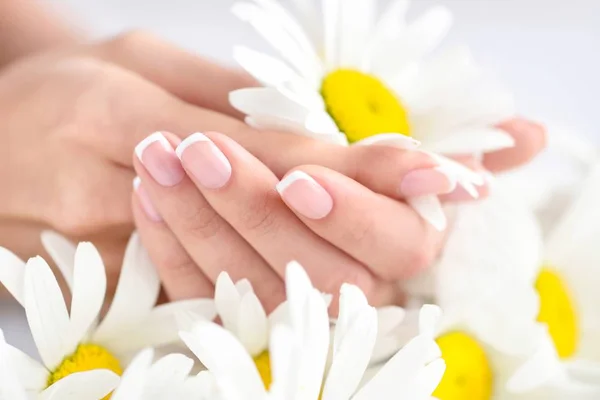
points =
(74, 116)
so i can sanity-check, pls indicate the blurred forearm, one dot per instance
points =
(28, 26)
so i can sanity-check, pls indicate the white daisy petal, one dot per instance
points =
(12, 274)
(135, 377)
(253, 326)
(399, 373)
(161, 326)
(472, 141)
(430, 209)
(429, 319)
(226, 358)
(391, 139)
(267, 101)
(266, 69)
(277, 35)
(10, 385)
(62, 252)
(136, 294)
(354, 348)
(243, 286)
(167, 371)
(89, 288)
(388, 318)
(32, 375)
(390, 24)
(46, 312)
(282, 351)
(89, 385)
(227, 302)
(357, 17)
(331, 20)
(430, 377)
(428, 31)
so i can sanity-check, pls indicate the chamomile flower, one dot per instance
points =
(74, 341)
(567, 282)
(530, 316)
(300, 348)
(88, 385)
(346, 78)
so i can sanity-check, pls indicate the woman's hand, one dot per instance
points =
(221, 209)
(71, 119)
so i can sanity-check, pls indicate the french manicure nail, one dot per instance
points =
(423, 182)
(305, 196)
(158, 157)
(204, 161)
(145, 201)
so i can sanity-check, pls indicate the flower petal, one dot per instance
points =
(135, 377)
(253, 326)
(160, 327)
(391, 139)
(227, 302)
(352, 352)
(136, 294)
(430, 209)
(166, 373)
(225, 357)
(12, 274)
(266, 102)
(472, 141)
(10, 387)
(62, 252)
(89, 288)
(292, 46)
(89, 385)
(266, 69)
(46, 312)
(31, 373)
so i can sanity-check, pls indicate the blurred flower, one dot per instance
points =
(346, 78)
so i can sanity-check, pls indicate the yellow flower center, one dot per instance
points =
(468, 371)
(362, 106)
(558, 312)
(87, 357)
(263, 365)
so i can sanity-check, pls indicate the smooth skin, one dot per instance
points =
(73, 114)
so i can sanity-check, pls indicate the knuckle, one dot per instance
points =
(418, 259)
(259, 214)
(202, 223)
(362, 231)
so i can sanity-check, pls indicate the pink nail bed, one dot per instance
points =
(305, 195)
(204, 161)
(158, 157)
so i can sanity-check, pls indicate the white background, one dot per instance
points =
(546, 50)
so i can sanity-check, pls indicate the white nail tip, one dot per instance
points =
(188, 141)
(155, 137)
(451, 178)
(291, 178)
(136, 182)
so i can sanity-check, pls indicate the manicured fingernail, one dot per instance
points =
(145, 201)
(424, 182)
(204, 161)
(160, 160)
(305, 196)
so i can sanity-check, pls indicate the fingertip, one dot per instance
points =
(530, 139)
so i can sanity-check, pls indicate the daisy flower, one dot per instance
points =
(243, 315)
(88, 385)
(347, 78)
(300, 348)
(73, 340)
(530, 317)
